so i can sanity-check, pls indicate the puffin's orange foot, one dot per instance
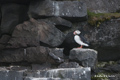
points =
(80, 47)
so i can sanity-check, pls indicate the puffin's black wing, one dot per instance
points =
(84, 39)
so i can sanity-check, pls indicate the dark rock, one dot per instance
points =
(59, 22)
(11, 75)
(15, 1)
(69, 65)
(43, 66)
(3, 41)
(63, 74)
(71, 10)
(32, 32)
(86, 57)
(12, 15)
(102, 6)
(13, 55)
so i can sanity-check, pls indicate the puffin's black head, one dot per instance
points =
(76, 32)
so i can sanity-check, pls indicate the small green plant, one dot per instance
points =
(95, 19)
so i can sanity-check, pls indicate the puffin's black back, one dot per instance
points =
(69, 43)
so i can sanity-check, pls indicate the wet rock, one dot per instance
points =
(69, 65)
(11, 75)
(71, 10)
(3, 41)
(12, 15)
(33, 33)
(65, 73)
(86, 57)
(102, 6)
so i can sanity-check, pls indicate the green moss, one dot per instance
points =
(95, 19)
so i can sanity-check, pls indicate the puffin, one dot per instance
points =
(74, 40)
(79, 39)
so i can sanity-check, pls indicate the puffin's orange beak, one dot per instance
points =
(74, 33)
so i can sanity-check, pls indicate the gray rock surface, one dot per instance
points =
(51, 74)
(66, 9)
(12, 15)
(102, 6)
(11, 75)
(64, 73)
(86, 57)
(33, 33)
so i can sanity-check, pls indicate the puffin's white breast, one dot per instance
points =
(79, 41)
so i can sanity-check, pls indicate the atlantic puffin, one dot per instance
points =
(74, 40)
(79, 39)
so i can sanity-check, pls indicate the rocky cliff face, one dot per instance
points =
(33, 34)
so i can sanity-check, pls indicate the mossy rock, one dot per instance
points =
(95, 19)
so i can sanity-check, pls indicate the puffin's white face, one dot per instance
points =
(76, 32)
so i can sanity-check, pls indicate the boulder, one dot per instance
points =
(12, 15)
(71, 10)
(34, 33)
(102, 6)
(85, 57)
